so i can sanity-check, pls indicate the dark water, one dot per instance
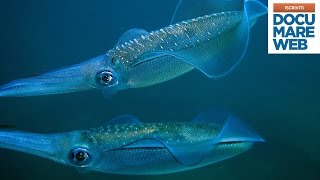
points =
(278, 95)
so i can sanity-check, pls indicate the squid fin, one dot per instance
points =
(230, 127)
(130, 35)
(255, 9)
(190, 9)
(219, 56)
(190, 154)
(236, 131)
(215, 58)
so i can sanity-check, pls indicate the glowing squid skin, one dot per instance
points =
(127, 146)
(208, 35)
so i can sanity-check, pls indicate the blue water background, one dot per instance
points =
(279, 95)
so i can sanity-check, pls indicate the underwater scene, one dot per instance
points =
(170, 89)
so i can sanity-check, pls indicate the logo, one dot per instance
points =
(294, 27)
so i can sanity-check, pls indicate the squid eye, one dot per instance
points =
(80, 156)
(105, 78)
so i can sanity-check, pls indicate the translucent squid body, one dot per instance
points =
(208, 35)
(126, 146)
